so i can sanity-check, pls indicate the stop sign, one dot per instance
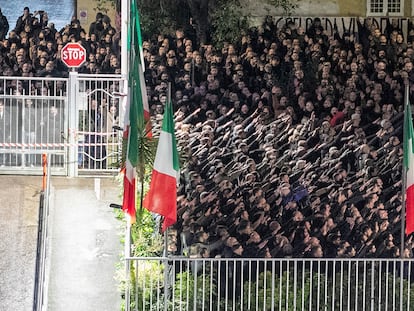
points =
(73, 54)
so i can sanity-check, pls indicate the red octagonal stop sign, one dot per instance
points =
(73, 54)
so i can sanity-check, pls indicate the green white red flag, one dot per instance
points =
(409, 169)
(162, 195)
(136, 114)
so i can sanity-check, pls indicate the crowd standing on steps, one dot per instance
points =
(290, 140)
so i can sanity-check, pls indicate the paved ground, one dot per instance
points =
(84, 244)
(18, 235)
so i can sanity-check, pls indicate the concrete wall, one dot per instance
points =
(321, 8)
(86, 12)
(258, 9)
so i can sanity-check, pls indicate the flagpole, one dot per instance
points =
(124, 38)
(166, 230)
(166, 272)
(124, 73)
(169, 93)
(128, 264)
(404, 177)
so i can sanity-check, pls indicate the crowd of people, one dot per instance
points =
(290, 140)
(31, 46)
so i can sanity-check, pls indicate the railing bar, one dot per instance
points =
(393, 286)
(242, 264)
(264, 282)
(401, 285)
(254, 270)
(364, 277)
(144, 290)
(333, 284)
(318, 292)
(349, 286)
(356, 283)
(249, 287)
(151, 298)
(211, 285)
(408, 285)
(143, 284)
(219, 284)
(287, 284)
(326, 286)
(311, 263)
(173, 283)
(160, 285)
(295, 269)
(204, 284)
(181, 287)
(303, 285)
(188, 285)
(372, 298)
(280, 284)
(234, 282)
(151, 282)
(227, 286)
(380, 280)
(341, 282)
(273, 287)
(195, 285)
(386, 284)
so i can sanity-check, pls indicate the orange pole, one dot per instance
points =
(44, 165)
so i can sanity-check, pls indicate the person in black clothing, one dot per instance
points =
(107, 27)
(4, 26)
(316, 29)
(25, 19)
(75, 30)
(96, 27)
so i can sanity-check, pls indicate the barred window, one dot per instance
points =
(381, 7)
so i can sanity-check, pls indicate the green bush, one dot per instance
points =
(192, 292)
(229, 23)
(279, 291)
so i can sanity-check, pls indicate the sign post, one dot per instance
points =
(73, 55)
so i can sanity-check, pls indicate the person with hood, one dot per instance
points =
(107, 27)
(96, 27)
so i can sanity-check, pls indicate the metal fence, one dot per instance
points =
(32, 121)
(43, 240)
(99, 119)
(77, 120)
(269, 284)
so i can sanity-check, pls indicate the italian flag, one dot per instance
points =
(162, 195)
(141, 64)
(136, 114)
(409, 169)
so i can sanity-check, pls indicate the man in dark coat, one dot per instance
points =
(4, 26)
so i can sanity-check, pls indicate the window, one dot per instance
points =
(381, 7)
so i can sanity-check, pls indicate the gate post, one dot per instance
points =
(72, 133)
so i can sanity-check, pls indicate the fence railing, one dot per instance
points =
(75, 118)
(269, 284)
(40, 278)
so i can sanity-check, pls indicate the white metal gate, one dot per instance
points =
(98, 122)
(32, 121)
(75, 120)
